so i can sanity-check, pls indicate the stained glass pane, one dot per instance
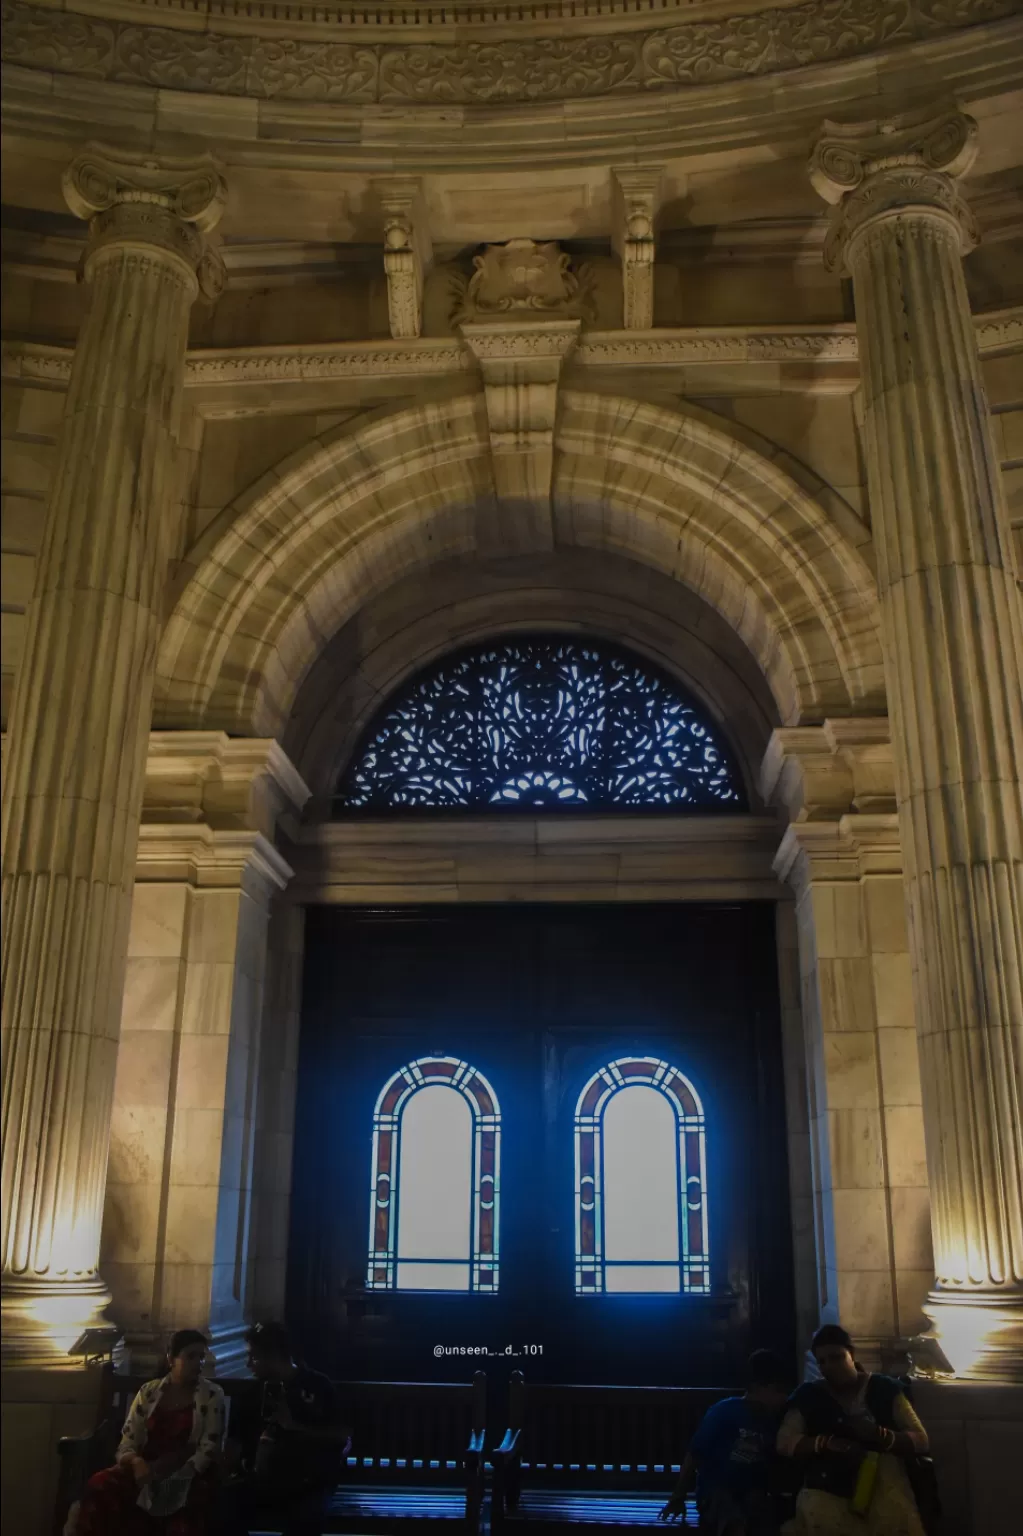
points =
(641, 1181)
(434, 1201)
(543, 723)
(434, 1189)
(641, 1188)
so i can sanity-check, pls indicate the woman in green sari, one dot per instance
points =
(855, 1434)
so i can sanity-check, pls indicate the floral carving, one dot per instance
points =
(55, 40)
(181, 61)
(510, 71)
(313, 71)
(546, 69)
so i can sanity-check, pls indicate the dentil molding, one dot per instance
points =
(195, 56)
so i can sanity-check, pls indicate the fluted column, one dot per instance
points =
(72, 791)
(953, 656)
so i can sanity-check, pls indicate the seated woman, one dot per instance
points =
(854, 1433)
(163, 1480)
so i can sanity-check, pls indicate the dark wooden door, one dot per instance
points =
(537, 999)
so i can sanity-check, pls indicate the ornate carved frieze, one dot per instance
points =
(494, 72)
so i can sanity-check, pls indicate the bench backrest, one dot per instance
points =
(587, 1434)
(431, 1423)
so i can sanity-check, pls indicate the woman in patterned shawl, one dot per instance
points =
(163, 1480)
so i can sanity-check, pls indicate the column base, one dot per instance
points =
(43, 1319)
(229, 1349)
(978, 1333)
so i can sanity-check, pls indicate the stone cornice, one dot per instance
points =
(190, 52)
(225, 374)
(211, 859)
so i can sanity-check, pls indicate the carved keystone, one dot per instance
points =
(408, 252)
(637, 198)
(521, 365)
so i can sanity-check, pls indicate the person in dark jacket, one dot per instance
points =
(731, 1456)
(292, 1444)
(854, 1433)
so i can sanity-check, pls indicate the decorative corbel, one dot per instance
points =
(408, 252)
(637, 191)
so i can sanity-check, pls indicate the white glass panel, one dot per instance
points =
(640, 1179)
(434, 1185)
(434, 1277)
(636, 1278)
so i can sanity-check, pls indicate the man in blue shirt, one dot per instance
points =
(731, 1456)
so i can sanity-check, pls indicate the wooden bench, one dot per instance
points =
(600, 1457)
(417, 1452)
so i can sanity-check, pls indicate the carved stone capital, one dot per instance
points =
(888, 168)
(408, 252)
(248, 784)
(637, 200)
(826, 772)
(167, 205)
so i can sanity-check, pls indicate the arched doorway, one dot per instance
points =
(602, 1224)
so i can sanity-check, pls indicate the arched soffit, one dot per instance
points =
(468, 600)
(287, 564)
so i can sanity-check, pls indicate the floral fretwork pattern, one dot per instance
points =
(543, 722)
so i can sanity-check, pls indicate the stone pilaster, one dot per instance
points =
(954, 669)
(200, 1064)
(842, 857)
(72, 791)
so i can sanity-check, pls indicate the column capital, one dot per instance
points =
(886, 167)
(242, 784)
(824, 772)
(167, 204)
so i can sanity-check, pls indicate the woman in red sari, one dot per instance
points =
(163, 1481)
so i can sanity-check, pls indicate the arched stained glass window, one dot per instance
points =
(544, 722)
(433, 1223)
(640, 1182)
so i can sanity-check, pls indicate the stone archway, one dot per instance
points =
(281, 569)
(356, 559)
